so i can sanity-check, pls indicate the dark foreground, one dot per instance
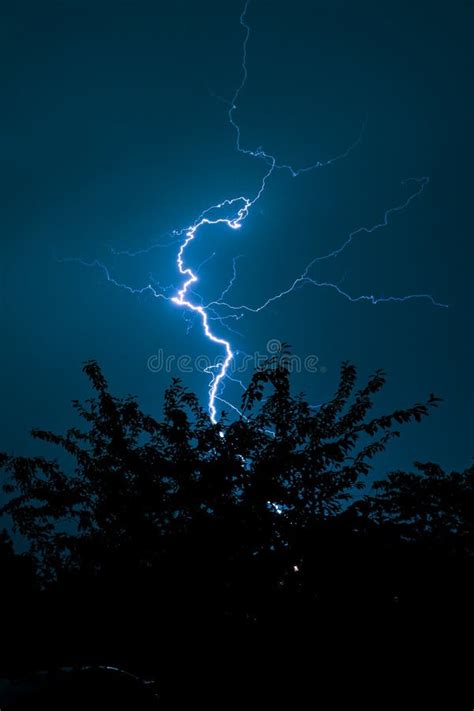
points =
(233, 564)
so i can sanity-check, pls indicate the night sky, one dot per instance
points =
(114, 132)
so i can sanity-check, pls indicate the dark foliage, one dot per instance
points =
(165, 536)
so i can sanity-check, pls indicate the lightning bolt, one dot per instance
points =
(182, 299)
(242, 205)
(231, 213)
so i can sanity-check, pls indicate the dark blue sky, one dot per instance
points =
(112, 135)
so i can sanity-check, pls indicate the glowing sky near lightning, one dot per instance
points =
(241, 207)
(116, 137)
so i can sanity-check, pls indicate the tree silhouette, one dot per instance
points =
(136, 480)
(180, 530)
(429, 505)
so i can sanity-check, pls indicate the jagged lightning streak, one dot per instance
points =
(183, 296)
(183, 300)
(152, 287)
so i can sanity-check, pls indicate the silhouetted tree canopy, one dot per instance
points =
(136, 479)
(428, 505)
(180, 529)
